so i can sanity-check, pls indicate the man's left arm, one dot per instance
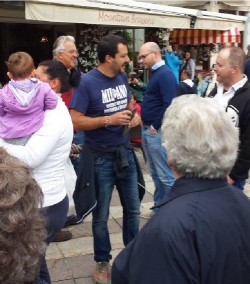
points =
(242, 165)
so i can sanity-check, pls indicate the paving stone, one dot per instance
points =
(115, 252)
(53, 252)
(82, 265)
(142, 222)
(71, 281)
(115, 198)
(79, 246)
(115, 212)
(58, 270)
(148, 197)
(114, 227)
(82, 230)
(116, 241)
(87, 280)
(64, 282)
(150, 187)
(147, 176)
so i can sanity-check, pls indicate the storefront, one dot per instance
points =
(196, 37)
(33, 25)
(204, 43)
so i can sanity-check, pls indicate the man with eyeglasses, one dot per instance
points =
(160, 91)
(65, 51)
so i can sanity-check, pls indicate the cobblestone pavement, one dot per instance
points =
(71, 262)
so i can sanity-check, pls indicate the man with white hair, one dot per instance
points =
(201, 232)
(233, 94)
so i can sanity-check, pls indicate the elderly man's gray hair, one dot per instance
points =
(59, 43)
(200, 139)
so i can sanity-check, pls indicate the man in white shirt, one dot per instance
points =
(233, 93)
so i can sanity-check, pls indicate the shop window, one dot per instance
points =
(88, 38)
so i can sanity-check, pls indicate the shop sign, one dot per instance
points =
(124, 18)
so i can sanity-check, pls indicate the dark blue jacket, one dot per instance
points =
(200, 235)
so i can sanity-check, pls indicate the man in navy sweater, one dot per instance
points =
(160, 91)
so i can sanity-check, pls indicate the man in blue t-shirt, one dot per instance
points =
(102, 107)
(160, 91)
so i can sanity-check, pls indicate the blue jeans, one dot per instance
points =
(240, 183)
(105, 179)
(160, 172)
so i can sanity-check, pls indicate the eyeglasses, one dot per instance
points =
(142, 57)
(72, 51)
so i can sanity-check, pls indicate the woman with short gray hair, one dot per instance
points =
(200, 234)
(202, 152)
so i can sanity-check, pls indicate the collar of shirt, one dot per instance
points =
(240, 84)
(236, 86)
(157, 65)
(223, 96)
(189, 82)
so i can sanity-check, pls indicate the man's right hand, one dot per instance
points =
(121, 118)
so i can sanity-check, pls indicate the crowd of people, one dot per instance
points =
(197, 151)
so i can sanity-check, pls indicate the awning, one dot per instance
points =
(105, 13)
(205, 36)
(127, 13)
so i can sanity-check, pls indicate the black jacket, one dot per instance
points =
(199, 235)
(85, 195)
(247, 69)
(183, 89)
(239, 109)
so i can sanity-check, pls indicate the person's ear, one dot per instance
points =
(108, 58)
(9, 75)
(33, 73)
(236, 68)
(176, 174)
(55, 85)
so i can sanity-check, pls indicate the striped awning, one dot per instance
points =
(205, 36)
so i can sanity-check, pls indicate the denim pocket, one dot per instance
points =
(99, 160)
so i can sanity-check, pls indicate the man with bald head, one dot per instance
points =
(160, 91)
(233, 93)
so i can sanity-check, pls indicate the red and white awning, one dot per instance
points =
(205, 36)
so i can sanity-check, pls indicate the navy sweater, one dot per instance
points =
(160, 91)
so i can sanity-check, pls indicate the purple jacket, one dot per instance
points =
(23, 118)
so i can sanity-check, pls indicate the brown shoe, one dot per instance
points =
(62, 236)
